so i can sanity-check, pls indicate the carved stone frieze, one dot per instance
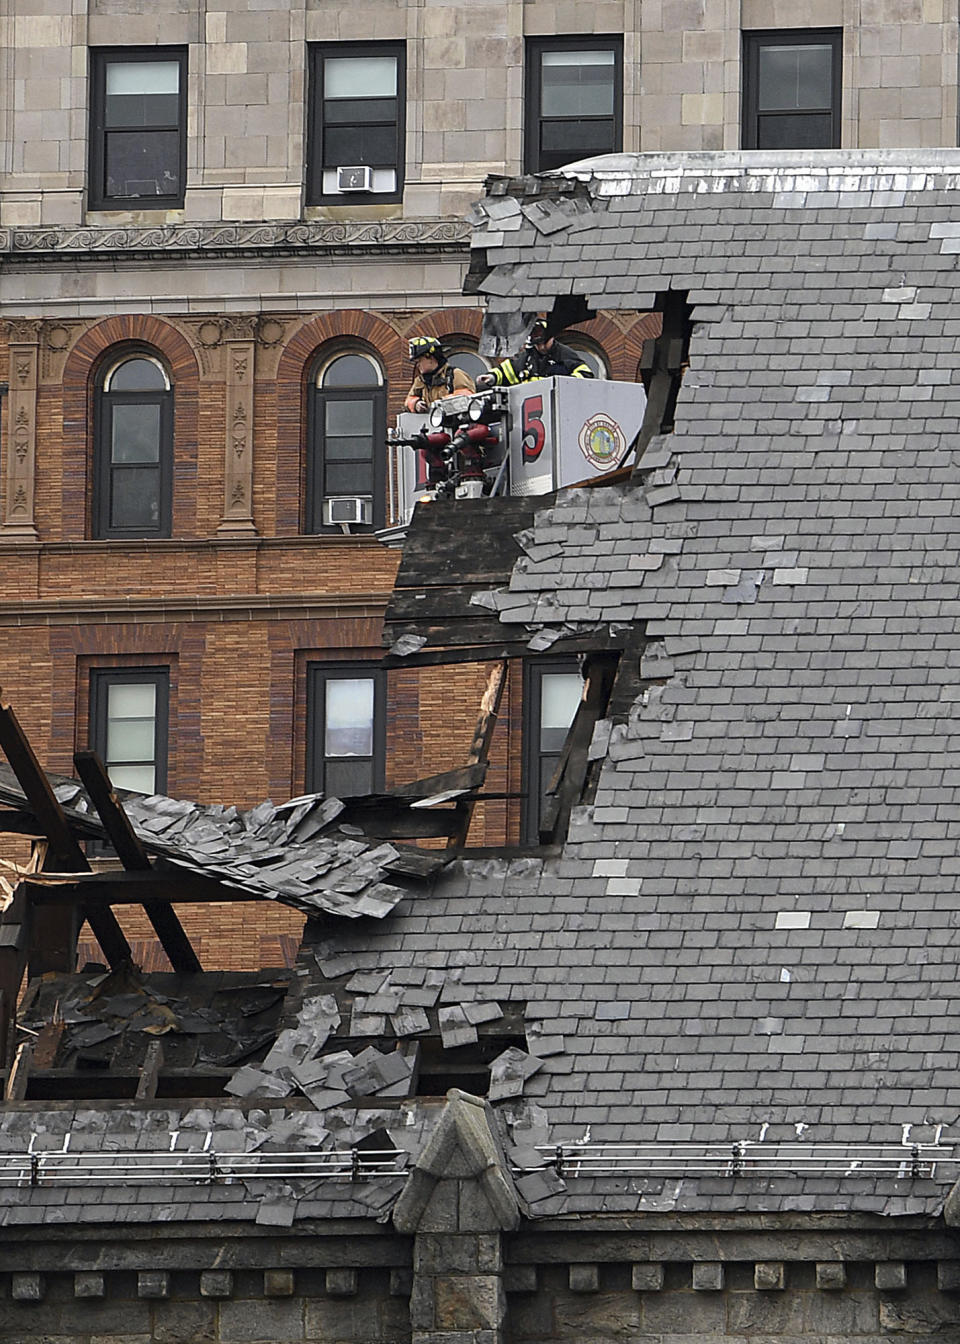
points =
(18, 521)
(238, 449)
(320, 237)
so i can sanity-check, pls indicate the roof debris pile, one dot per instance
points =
(102, 1024)
(294, 853)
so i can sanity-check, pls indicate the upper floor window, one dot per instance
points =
(137, 128)
(346, 447)
(791, 89)
(574, 102)
(356, 133)
(133, 449)
(346, 741)
(552, 691)
(128, 725)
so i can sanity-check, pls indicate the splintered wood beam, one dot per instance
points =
(566, 786)
(54, 935)
(19, 1076)
(134, 857)
(480, 746)
(101, 890)
(14, 940)
(150, 1072)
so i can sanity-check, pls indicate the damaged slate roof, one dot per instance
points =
(747, 939)
(748, 933)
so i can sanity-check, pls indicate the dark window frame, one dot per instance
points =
(100, 58)
(533, 757)
(319, 674)
(316, 465)
(533, 88)
(316, 157)
(103, 466)
(753, 42)
(101, 679)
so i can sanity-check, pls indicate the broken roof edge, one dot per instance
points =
(745, 170)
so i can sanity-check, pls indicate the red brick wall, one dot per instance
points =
(236, 621)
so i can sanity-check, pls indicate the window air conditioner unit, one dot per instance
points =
(341, 509)
(359, 178)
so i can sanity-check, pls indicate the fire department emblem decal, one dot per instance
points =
(602, 442)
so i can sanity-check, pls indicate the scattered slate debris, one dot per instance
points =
(292, 853)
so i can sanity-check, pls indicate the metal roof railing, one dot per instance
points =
(741, 1160)
(198, 1168)
(745, 1158)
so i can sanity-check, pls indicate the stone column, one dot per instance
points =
(457, 1202)
(21, 448)
(239, 340)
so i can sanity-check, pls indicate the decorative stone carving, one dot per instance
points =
(18, 522)
(318, 237)
(238, 452)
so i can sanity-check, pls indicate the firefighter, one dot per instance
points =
(434, 377)
(542, 357)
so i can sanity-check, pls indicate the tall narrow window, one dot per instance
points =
(138, 128)
(128, 725)
(345, 729)
(552, 693)
(133, 451)
(356, 122)
(791, 89)
(346, 452)
(574, 100)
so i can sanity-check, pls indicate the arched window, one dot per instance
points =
(465, 357)
(133, 449)
(589, 352)
(347, 445)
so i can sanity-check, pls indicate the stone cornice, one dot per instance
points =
(179, 242)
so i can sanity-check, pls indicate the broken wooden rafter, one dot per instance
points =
(101, 890)
(53, 940)
(134, 857)
(480, 746)
(566, 786)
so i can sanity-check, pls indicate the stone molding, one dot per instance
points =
(182, 240)
(18, 520)
(238, 446)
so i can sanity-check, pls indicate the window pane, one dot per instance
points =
(576, 139)
(136, 433)
(349, 417)
(372, 145)
(137, 375)
(136, 77)
(590, 358)
(795, 76)
(348, 717)
(135, 497)
(348, 778)
(347, 449)
(349, 478)
(360, 77)
(142, 164)
(130, 740)
(137, 778)
(560, 694)
(469, 362)
(349, 371)
(804, 130)
(135, 700)
(577, 83)
(350, 110)
(154, 109)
